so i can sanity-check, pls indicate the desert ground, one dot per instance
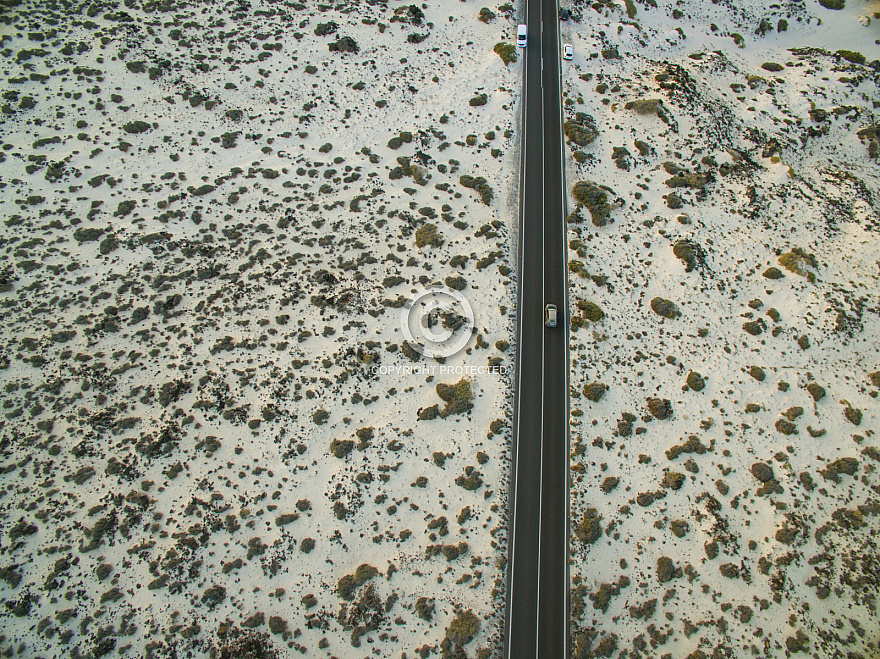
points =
(724, 269)
(213, 214)
(217, 441)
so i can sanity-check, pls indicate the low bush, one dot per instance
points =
(506, 51)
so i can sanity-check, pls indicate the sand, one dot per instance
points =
(216, 440)
(212, 221)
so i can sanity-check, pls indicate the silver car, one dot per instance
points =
(550, 314)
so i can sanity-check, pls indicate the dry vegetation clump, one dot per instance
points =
(590, 310)
(458, 397)
(506, 51)
(241, 644)
(665, 308)
(581, 129)
(594, 198)
(461, 631)
(798, 261)
(594, 391)
(647, 106)
(480, 186)
(427, 234)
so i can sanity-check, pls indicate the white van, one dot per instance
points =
(522, 36)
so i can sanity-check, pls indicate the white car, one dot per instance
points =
(567, 51)
(522, 36)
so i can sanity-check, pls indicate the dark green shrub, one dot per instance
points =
(595, 199)
(427, 234)
(506, 51)
(344, 45)
(851, 56)
(457, 397)
(135, 127)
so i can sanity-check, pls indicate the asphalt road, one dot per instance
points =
(536, 622)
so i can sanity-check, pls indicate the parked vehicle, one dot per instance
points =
(564, 14)
(567, 51)
(522, 36)
(550, 313)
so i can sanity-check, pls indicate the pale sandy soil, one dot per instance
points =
(724, 479)
(197, 453)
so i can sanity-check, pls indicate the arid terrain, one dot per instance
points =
(217, 440)
(212, 216)
(724, 269)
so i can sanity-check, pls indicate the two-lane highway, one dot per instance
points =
(536, 624)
